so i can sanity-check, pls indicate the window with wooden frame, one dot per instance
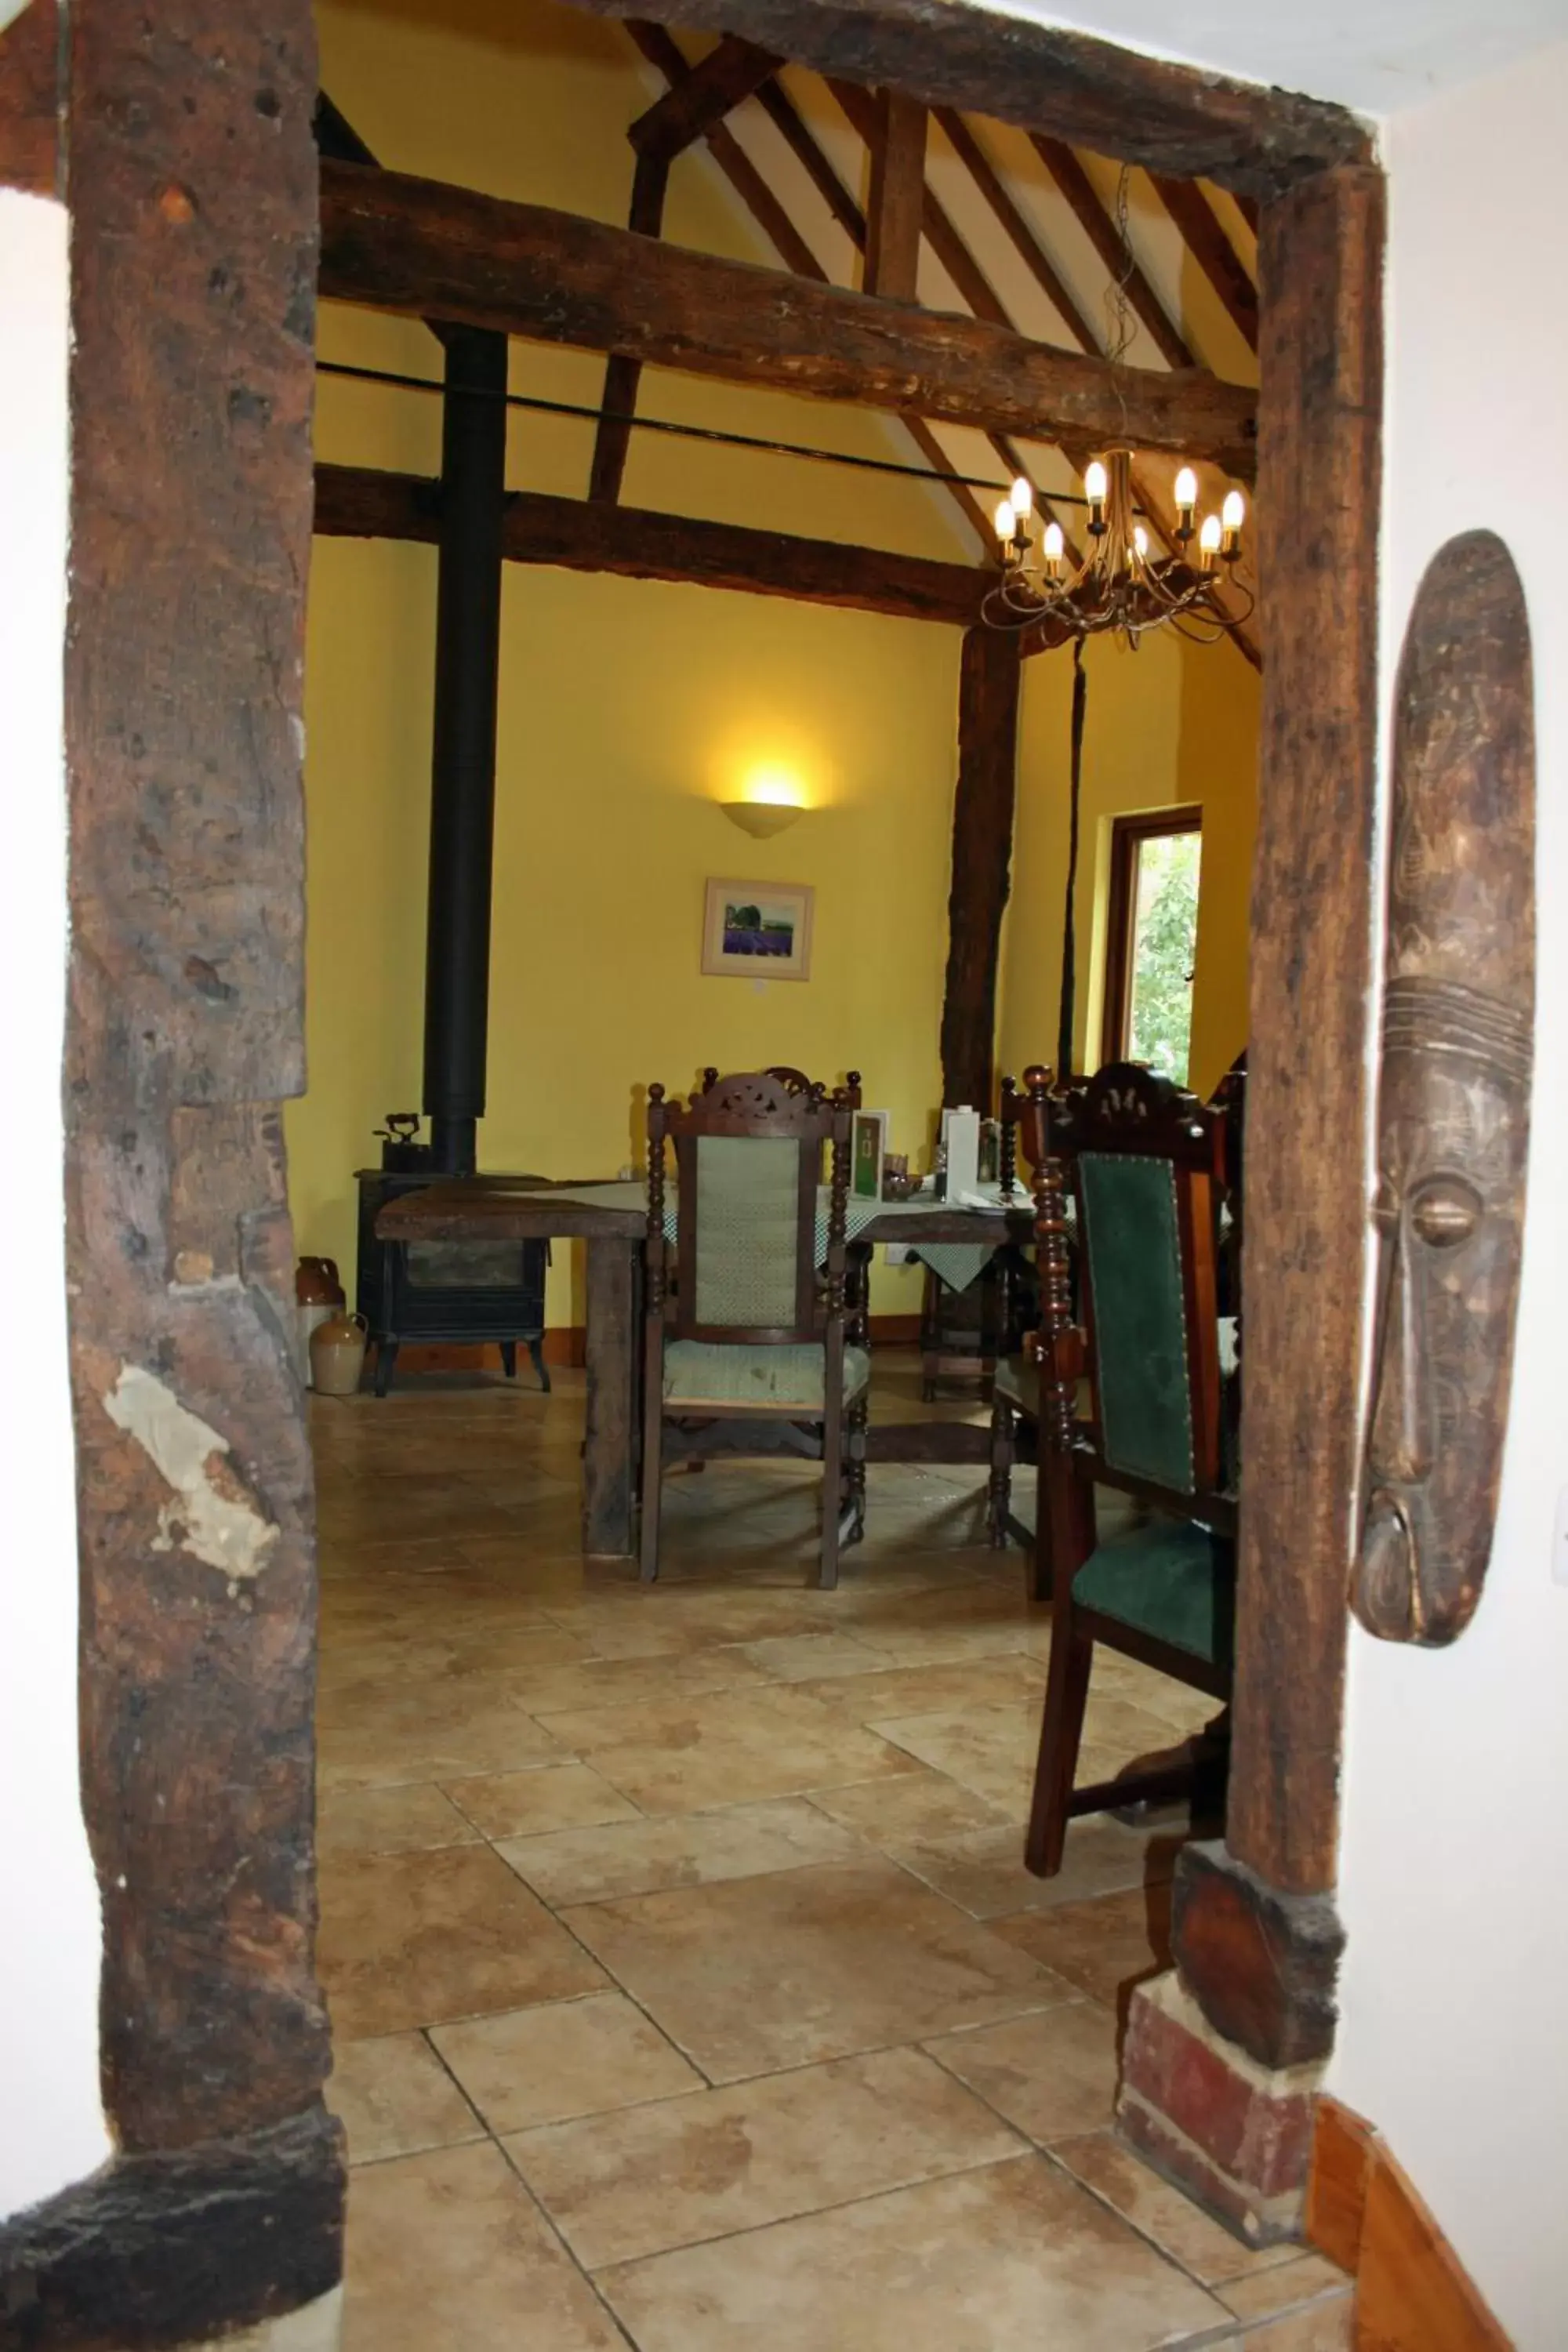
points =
(1152, 940)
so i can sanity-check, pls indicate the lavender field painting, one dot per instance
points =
(759, 931)
(753, 929)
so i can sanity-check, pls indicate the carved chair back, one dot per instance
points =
(795, 1080)
(1142, 1160)
(749, 1159)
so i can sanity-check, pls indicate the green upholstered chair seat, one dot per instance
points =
(1171, 1579)
(715, 1371)
(1019, 1380)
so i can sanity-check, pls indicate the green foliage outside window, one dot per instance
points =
(1164, 944)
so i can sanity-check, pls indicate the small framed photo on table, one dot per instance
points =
(757, 930)
(869, 1142)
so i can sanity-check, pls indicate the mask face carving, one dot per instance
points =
(1453, 1099)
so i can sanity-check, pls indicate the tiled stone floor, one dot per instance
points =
(687, 1986)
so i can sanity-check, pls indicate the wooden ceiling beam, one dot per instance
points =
(702, 97)
(636, 543)
(967, 275)
(418, 247)
(660, 50)
(898, 147)
(336, 137)
(1167, 117)
(1213, 251)
(733, 159)
(612, 442)
(1101, 231)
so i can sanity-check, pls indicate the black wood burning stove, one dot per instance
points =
(457, 1291)
(461, 1292)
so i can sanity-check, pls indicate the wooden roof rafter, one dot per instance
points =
(660, 49)
(869, 113)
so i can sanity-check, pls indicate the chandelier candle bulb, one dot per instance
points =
(1096, 484)
(1140, 542)
(1005, 521)
(1208, 541)
(1053, 548)
(1023, 496)
(1233, 514)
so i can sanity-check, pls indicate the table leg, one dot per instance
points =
(609, 1446)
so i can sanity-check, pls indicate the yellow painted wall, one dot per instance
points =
(628, 710)
(1171, 724)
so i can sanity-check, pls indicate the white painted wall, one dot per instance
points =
(51, 2120)
(1453, 1892)
(1375, 54)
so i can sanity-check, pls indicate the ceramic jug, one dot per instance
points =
(317, 1294)
(337, 1354)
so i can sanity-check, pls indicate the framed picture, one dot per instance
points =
(869, 1142)
(757, 930)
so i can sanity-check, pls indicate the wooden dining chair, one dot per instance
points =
(1024, 1120)
(1130, 1398)
(746, 1351)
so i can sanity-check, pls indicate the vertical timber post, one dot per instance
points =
(1222, 2059)
(463, 762)
(989, 675)
(190, 175)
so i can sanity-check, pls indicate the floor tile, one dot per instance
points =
(448, 2250)
(562, 2059)
(1009, 2257)
(596, 1681)
(530, 1805)
(806, 1965)
(991, 1749)
(917, 1804)
(643, 1856)
(1105, 2164)
(806, 1658)
(430, 1731)
(1125, 1729)
(1103, 1946)
(1283, 2286)
(415, 1938)
(400, 1819)
(1327, 2327)
(983, 1870)
(1052, 2074)
(893, 1691)
(677, 1756)
(621, 2187)
(395, 2097)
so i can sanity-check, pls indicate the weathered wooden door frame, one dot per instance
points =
(191, 182)
(1256, 1941)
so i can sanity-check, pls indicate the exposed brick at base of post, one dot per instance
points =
(1235, 2135)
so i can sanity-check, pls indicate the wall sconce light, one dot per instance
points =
(762, 819)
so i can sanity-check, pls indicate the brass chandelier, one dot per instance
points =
(1120, 585)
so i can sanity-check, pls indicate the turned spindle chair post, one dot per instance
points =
(1015, 1389)
(747, 1351)
(1142, 1159)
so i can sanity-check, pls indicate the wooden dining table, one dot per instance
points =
(483, 1209)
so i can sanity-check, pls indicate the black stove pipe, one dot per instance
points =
(463, 762)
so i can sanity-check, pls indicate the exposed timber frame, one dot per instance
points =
(1065, 85)
(423, 249)
(186, 1031)
(989, 677)
(638, 543)
(190, 173)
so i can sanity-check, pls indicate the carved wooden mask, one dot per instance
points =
(1454, 1095)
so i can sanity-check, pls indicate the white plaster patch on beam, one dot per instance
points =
(215, 1516)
